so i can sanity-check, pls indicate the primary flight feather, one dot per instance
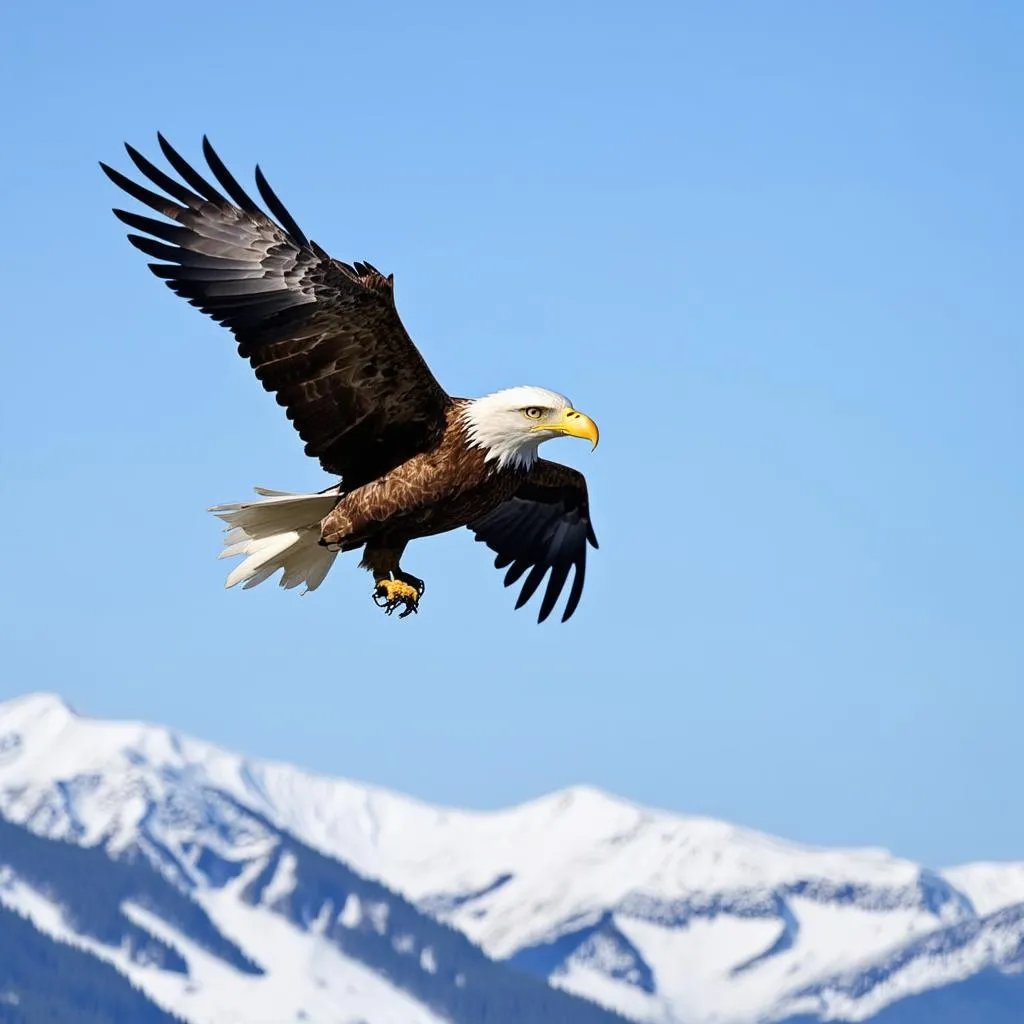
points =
(326, 339)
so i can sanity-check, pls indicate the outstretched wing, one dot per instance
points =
(544, 525)
(323, 336)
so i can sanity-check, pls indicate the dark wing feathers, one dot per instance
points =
(277, 208)
(544, 526)
(323, 336)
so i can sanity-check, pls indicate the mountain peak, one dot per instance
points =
(583, 797)
(33, 708)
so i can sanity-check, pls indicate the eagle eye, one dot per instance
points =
(533, 413)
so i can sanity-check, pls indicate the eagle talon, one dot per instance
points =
(414, 581)
(390, 594)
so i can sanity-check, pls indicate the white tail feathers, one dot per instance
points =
(279, 531)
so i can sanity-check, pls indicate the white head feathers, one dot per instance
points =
(509, 427)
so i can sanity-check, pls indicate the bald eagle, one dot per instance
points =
(326, 339)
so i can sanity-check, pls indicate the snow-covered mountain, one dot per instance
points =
(280, 895)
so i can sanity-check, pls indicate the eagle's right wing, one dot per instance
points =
(323, 336)
(544, 525)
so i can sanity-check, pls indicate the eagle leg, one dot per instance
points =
(390, 594)
(392, 588)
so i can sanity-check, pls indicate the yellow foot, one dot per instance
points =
(389, 594)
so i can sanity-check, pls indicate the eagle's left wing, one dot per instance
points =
(544, 525)
(323, 336)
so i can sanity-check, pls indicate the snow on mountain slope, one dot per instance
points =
(662, 917)
(990, 887)
(215, 993)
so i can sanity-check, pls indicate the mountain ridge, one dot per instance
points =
(657, 916)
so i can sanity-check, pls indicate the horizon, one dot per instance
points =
(581, 788)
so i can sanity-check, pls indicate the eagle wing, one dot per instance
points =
(544, 525)
(322, 335)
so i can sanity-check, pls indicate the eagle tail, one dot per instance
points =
(279, 530)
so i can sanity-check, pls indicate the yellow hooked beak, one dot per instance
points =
(576, 424)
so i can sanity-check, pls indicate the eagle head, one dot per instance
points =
(511, 424)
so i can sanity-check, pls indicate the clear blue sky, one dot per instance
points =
(774, 250)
